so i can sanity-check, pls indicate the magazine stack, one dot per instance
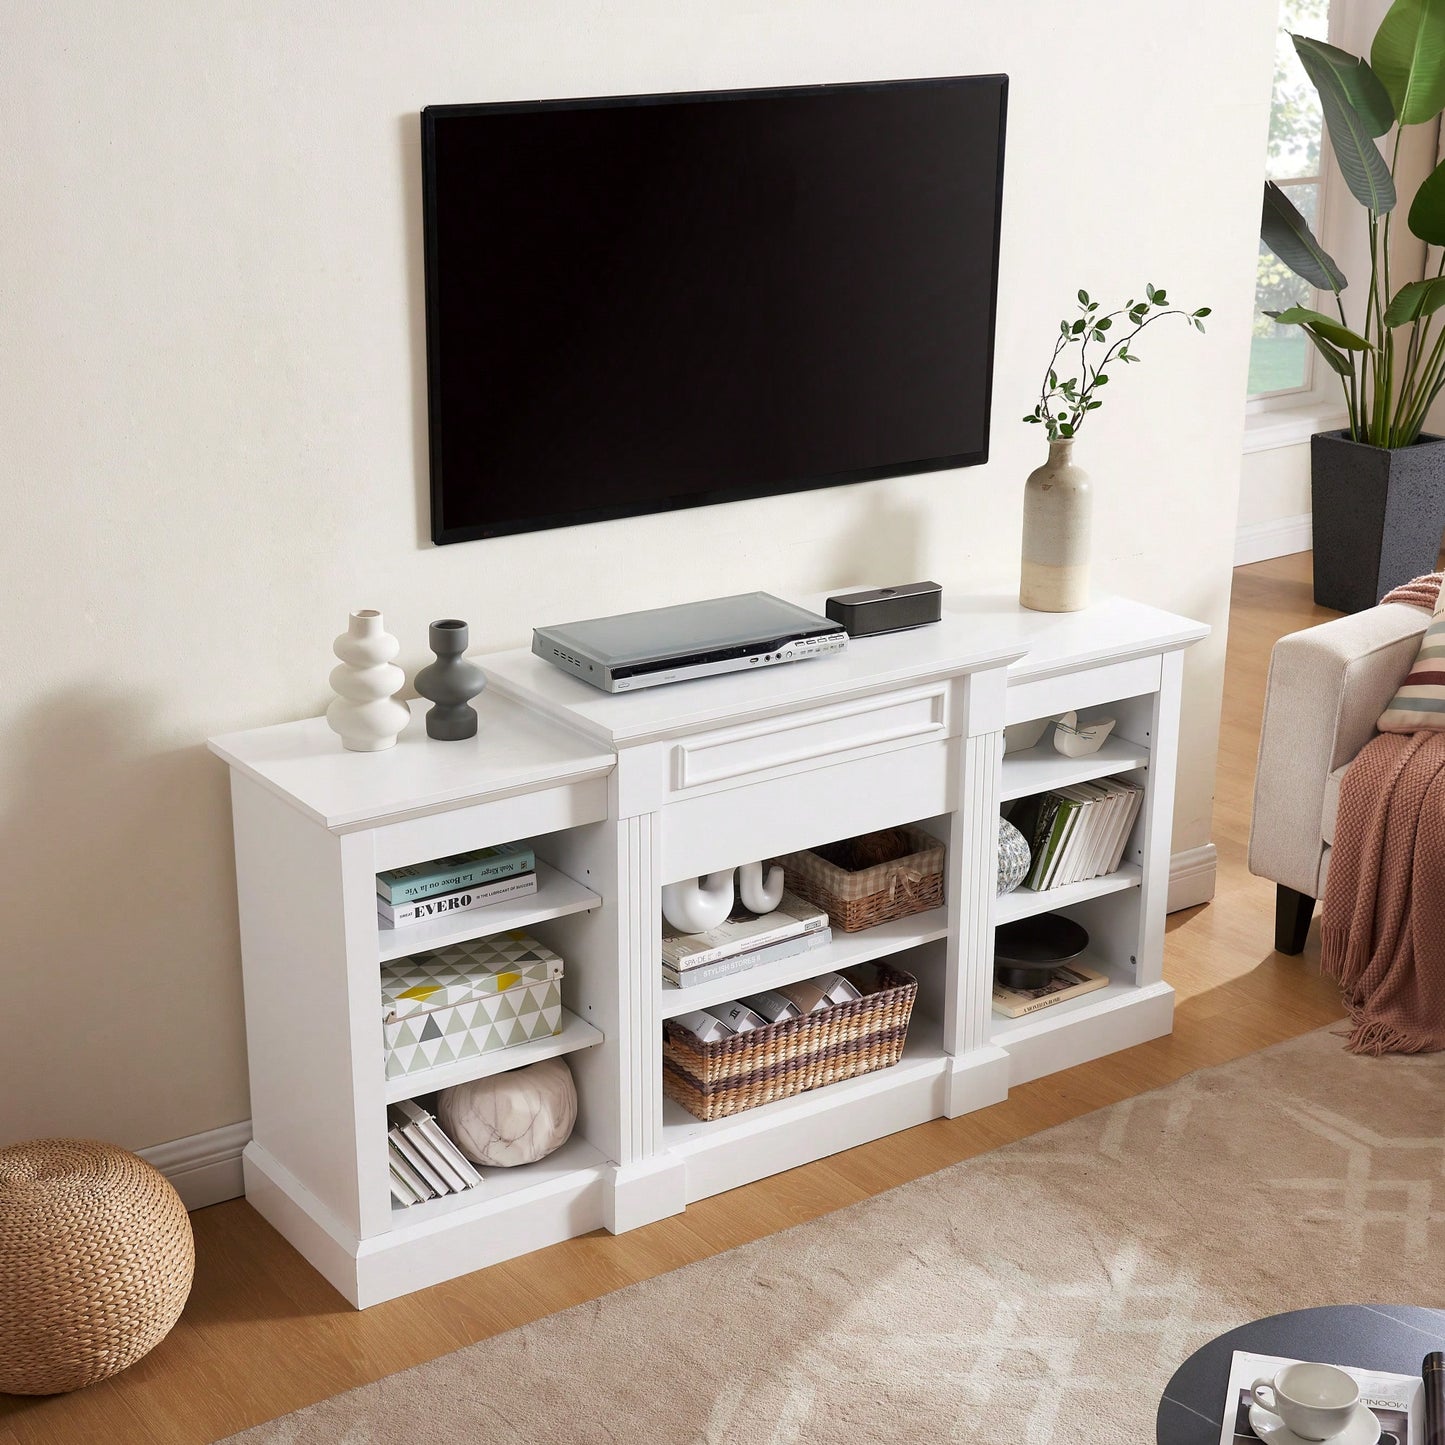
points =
(741, 941)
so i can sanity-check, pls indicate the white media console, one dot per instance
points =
(620, 794)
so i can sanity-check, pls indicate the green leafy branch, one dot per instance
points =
(1064, 403)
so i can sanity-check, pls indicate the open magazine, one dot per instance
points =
(1397, 1400)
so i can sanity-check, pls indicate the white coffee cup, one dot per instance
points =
(1317, 1402)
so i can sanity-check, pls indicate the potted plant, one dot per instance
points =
(1054, 576)
(1379, 485)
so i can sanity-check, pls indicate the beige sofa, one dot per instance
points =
(1327, 686)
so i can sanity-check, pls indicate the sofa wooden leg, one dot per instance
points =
(1292, 914)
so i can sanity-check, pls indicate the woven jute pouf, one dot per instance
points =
(96, 1259)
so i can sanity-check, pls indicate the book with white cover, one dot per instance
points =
(1398, 1401)
(401, 1191)
(408, 1149)
(1133, 802)
(740, 932)
(1069, 868)
(409, 1176)
(1108, 804)
(413, 1116)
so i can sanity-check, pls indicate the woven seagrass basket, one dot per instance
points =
(96, 1258)
(869, 896)
(713, 1080)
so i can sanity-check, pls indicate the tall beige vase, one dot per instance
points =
(1058, 506)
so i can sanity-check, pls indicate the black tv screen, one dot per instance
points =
(648, 302)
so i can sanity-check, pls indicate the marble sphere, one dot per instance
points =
(512, 1118)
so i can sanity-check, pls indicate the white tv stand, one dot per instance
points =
(620, 794)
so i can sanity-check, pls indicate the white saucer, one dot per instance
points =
(1363, 1429)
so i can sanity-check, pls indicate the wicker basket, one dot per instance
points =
(912, 884)
(776, 1062)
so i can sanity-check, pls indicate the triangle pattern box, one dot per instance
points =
(468, 999)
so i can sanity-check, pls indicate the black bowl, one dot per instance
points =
(1026, 952)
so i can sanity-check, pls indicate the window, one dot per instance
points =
(1281, 360)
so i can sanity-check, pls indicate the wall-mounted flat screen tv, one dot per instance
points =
(648, 302)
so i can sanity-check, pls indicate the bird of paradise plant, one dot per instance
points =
(1391, 363)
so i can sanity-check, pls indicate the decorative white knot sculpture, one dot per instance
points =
(365, 713)
(697, 904)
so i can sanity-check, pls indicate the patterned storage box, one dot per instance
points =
(469, 999)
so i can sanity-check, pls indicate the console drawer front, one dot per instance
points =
(796, 810)
(821, 737)
(1050, 696)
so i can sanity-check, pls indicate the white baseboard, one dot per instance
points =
(1259, 541)
(205, 1168)
(1191, 877)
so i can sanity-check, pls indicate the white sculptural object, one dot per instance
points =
(1074, 741)
(757, 896)
(512, 1118)
(365, 713)
(695, 905)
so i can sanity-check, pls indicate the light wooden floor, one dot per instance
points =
(263, 1335)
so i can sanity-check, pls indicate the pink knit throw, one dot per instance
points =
(1420, 592)
(1383, 931)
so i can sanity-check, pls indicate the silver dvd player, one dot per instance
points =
(697, 639)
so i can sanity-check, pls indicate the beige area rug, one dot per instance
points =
(1044, 1292)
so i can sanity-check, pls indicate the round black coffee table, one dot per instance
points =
(1394, 1338)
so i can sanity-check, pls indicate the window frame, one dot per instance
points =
(1321, 391)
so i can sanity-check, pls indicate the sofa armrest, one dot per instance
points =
(1327, 687)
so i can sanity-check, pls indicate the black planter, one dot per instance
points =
(1378, 516)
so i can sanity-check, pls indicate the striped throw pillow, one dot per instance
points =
(1420, 702)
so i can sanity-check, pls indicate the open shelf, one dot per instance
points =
(575, 1034)
(567, 1167)
(845, 950)
(1025, 902)
(556, 896)
(1037, 769)
(1121, 985)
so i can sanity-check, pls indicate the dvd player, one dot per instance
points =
(696, 639)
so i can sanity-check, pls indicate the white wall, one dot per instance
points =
(212, 414)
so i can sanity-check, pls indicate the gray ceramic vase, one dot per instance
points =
(450, 683)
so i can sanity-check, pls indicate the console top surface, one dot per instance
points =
(975, 633)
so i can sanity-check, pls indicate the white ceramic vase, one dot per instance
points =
(1058, 506)
(365, 713)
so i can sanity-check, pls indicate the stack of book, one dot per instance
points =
(425, 1164)
(1077, 832)
(423, 891)
(1068, 980)
(742, 941)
